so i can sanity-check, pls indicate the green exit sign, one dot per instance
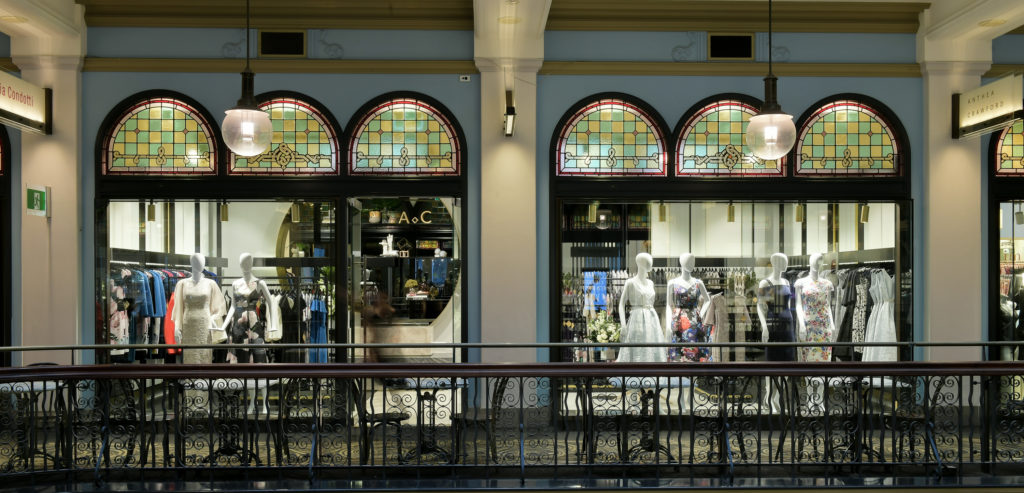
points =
(37, 200)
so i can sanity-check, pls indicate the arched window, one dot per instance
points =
(304, 141)
(711, 142)
(611, 137)
(1009, 153)
(844, 136)
(405, 136)
(160, 136)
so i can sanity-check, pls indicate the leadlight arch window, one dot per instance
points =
(1009, 150)
(611, 135)
(159, 133)
(405, 135)
(849, 135)
(712, 140)
(304, 141)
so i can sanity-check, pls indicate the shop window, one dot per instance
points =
(1011, 279)
(405, 136)
(712, 143)
(304, 142)
(847, 137)
(1009, 155)
(149, 252)
(160, 136)
(611, 137)
(863, 283)
(406, 276)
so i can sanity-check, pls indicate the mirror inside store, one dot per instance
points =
(738, 272)
(266, 273)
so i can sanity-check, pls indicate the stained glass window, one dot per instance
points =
(404, 137)
(712, 143)
(161, 136)
(303, 143)
(1010, 150)
(845, 138)
(611, 137)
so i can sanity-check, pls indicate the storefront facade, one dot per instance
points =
(508, 206)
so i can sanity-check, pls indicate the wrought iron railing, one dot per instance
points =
(757, 424)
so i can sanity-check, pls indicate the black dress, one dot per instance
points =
(779, 309)
(291, 307)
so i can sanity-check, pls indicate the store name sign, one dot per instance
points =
(990, 107)
(24, 105)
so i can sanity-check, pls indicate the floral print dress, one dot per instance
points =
(687, 326)
(815, 298)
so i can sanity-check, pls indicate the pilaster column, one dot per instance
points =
(954, 235)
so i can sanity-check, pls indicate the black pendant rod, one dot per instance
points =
(247, 35)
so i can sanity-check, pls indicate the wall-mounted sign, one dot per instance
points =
(37, 200)
(990, 107)
(24, 105)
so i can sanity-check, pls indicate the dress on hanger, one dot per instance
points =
(778, 299)
(198, 306)
(291, 307)
(816, 297)
(881, 326)
(642, 326)
(687, 326)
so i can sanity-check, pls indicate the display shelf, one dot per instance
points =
(145, 257)
(292, 262)
(446, 229)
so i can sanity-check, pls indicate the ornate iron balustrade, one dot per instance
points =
(757, 424)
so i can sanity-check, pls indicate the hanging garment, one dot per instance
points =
(642, 325)
(318, 330)
(198, 307)
(119, 325)
(738, 310)
(293, 331)
(169, 327)
(881, 326)
(778, 299)
(815, 298)
(717, 322)
(687, 326)
(860, 310)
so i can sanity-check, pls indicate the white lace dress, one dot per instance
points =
(642, 325)
(881, 327)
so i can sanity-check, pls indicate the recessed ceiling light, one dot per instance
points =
(992, 22)
(509, 19)
(14, 19)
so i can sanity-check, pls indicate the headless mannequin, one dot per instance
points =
(780, 263)
(180, 314)
(686, 281)
(644, 263)
(815, 385)
(249, 320)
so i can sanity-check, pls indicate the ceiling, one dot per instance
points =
(598, 15)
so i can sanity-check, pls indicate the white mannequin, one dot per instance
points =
(644, 263)
(198, 263)
(685, 280)
(247, 279)
(780, 262)
(815, 385)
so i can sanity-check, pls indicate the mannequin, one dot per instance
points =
(243, 318)
(685, 295)
(198, 309)
(643, 325)
(815, 324)
(775, 311)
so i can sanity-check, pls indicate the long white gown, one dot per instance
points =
(881, 325)
(197, 307)
(642, 326)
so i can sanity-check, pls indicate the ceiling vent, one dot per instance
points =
(730, 46)
(281, 44)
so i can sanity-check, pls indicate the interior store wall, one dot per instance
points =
(671, 96)
(342, 94)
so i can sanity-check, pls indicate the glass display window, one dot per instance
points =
(198, 271)
(405, 276)
(1010, 256)
(734, 271)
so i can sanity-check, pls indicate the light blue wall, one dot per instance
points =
(321, 43)
(672, 96)
(342, 94)
(1008, 48)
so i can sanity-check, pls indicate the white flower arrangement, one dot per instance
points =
(603, 328)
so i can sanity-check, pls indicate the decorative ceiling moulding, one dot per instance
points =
(297, 66)
(292, 14)
(740, 16)
(733, 69)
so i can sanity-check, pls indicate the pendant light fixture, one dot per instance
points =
(246, 128)
(771, 133)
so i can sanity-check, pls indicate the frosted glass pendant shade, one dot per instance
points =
(771, 135)
(246, 132)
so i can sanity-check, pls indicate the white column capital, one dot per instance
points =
(48, 62)
(955, 68)
(518, 65)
